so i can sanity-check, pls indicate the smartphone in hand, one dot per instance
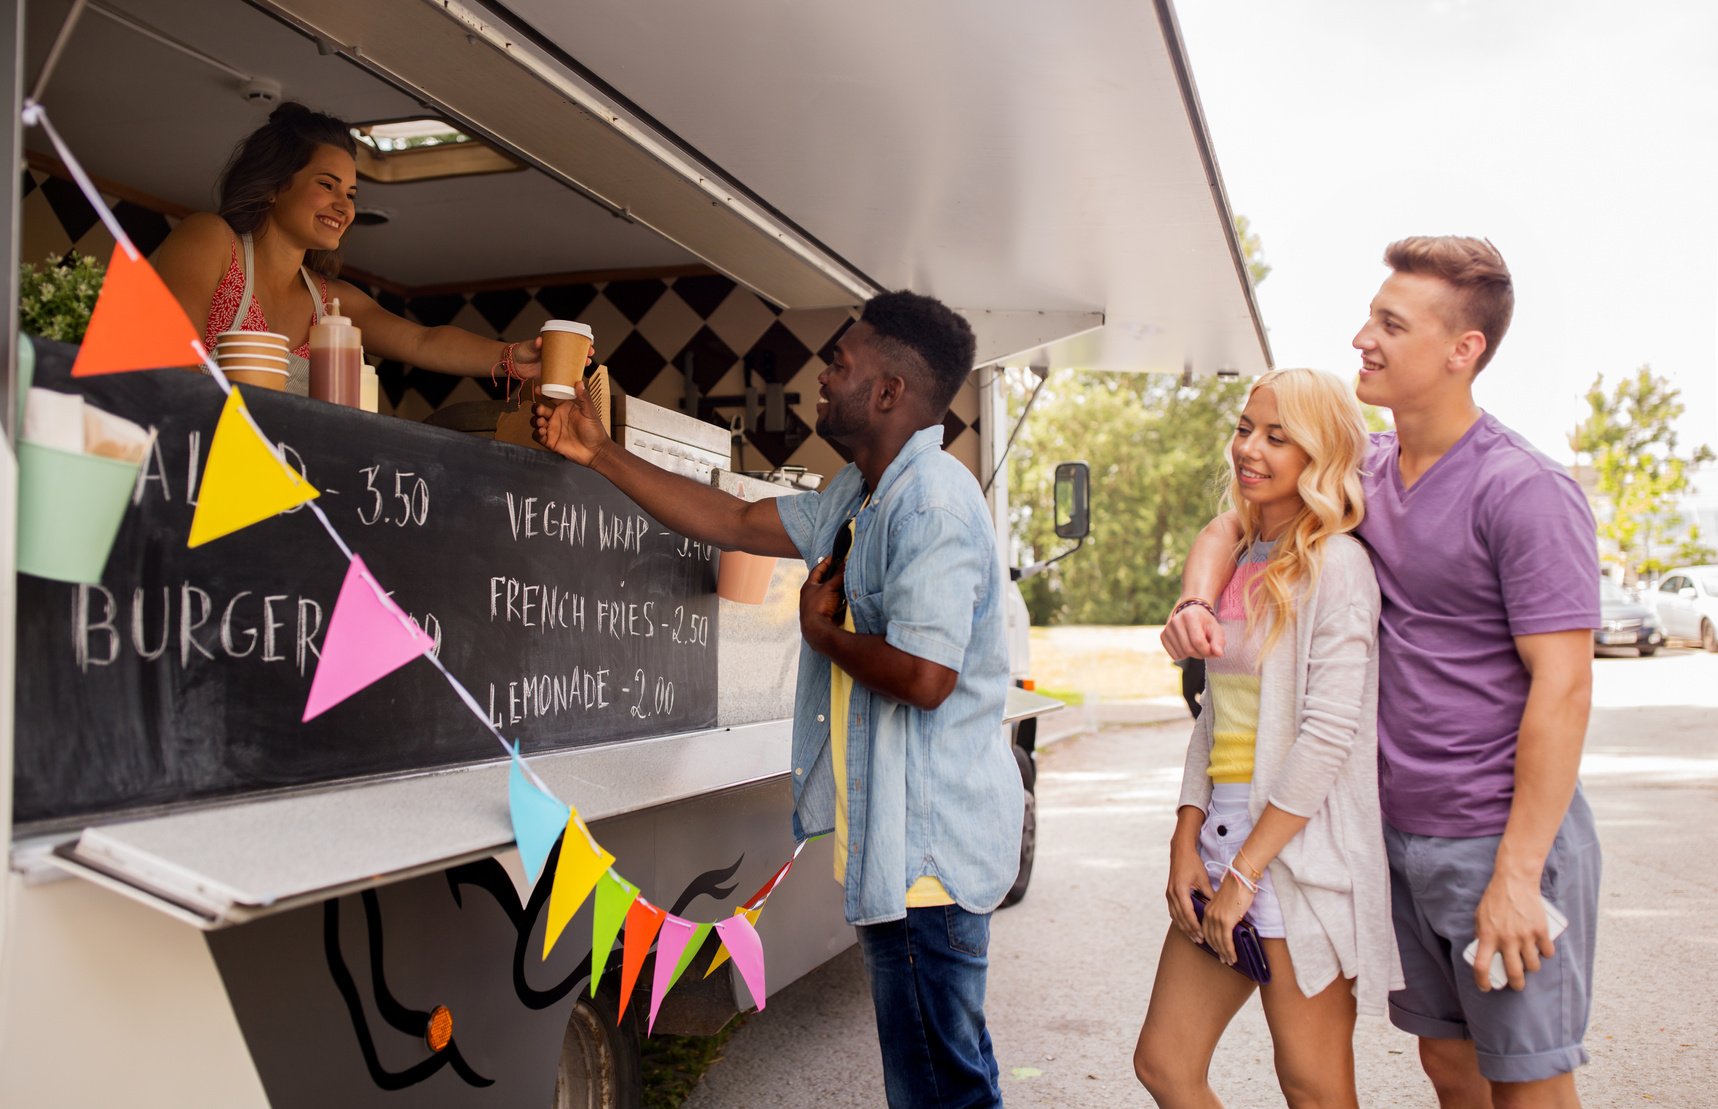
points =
(1555, 921)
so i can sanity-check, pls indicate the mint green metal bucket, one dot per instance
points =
(70, 505)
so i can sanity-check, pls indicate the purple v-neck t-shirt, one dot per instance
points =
(1492, 542)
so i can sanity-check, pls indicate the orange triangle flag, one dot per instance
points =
(137, 324)
(643, 921)
(244, 481)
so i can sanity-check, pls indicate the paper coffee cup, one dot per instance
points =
(566, 344)
(252, 336)
(257, 376)
(236, 350)
(239, 361)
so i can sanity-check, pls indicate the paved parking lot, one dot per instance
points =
(1072, 964)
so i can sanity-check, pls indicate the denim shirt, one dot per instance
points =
(933, 792)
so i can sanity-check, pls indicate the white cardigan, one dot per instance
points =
(1317, 756)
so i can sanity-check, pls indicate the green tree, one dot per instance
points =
(1252, 249)
(1154, 444)
(1630, 437)
(1155, 449)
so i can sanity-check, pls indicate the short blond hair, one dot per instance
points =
(1485, 294)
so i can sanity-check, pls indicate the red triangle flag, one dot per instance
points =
(643, 921)
(368, 638)
(758, 898)
(137, 324)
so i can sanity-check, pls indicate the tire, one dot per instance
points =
(600, 1067)
(1647, 650)
(1708, 636)
(1028, 829)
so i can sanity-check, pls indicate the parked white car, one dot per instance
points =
(1687, 604)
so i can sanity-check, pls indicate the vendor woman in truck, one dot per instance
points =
(269, 260)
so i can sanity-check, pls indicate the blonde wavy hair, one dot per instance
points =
(1320, 416)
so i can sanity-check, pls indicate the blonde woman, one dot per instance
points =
(1278, 822)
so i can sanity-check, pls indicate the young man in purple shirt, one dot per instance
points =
(1486, 558)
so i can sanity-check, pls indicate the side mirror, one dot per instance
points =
(1686, 592)
(1073, 500)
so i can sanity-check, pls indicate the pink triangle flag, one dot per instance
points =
(670, 942)
(742, 942)
(368, 639)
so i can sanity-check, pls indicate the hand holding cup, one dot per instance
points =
(569, 427)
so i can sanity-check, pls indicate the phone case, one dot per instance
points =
(1555, 923)
(1249, 950)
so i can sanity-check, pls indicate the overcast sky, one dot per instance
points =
(1580, 136)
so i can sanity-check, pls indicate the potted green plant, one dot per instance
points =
(56, 296)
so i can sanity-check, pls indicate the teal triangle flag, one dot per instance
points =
(538, 819)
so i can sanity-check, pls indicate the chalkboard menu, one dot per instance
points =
(572, 616)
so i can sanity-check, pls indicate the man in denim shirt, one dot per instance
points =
(897, 745)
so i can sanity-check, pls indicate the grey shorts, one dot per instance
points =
(1435, 886)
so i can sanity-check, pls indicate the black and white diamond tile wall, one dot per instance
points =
(652, 332)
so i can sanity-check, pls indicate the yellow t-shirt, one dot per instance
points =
(1234, 678)
(925, 892)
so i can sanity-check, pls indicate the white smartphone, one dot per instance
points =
(1555, 922)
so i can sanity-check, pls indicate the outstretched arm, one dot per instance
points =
(445, 349)
(691, 508)
(1194, 632)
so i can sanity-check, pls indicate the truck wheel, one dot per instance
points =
(600, 1066)
(1647, 650)
(1028, 828)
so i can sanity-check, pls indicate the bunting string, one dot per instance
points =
(386, 638)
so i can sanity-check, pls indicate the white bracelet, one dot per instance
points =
(1251, 886)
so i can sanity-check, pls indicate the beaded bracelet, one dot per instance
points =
(1193, 602)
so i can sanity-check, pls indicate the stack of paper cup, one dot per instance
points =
(253, 358)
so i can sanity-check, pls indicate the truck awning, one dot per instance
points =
(1047, 171)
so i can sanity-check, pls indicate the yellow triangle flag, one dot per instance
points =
(722, 955)
(244, 481)
(581, 864)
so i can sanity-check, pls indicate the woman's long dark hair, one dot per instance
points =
(265, 161)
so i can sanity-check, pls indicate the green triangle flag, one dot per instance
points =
(687, 954)
(614, 896)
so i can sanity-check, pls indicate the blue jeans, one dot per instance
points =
(927, 983)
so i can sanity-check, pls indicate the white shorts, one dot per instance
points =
(1227, 825)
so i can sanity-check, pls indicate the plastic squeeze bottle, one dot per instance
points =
(336, 359)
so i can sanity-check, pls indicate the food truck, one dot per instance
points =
(211, 900)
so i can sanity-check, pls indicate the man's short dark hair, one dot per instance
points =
(923, 338)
